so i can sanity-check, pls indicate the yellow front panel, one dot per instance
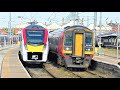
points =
(89, 52)
(65, 51)
(78, 44)
(35, 48)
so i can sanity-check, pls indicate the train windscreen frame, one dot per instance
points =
(35, 37)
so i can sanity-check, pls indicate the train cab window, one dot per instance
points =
(88, 39)
(68, 39)
(35, 36)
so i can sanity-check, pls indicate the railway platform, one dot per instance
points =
(107, 65)
(107, 59)
(11, 66)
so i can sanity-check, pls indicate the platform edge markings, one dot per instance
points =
(9, 65)
(2, 65)
(24, 68)
(4, 48)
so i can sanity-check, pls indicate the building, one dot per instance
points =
(104, 28)
(3, 32)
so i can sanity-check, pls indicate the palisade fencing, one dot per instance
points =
(110, 46)
(5, 40)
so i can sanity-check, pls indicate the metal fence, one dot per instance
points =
(110, 46)
(6, 40)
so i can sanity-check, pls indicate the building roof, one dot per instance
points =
(113, 33)
(3, 32)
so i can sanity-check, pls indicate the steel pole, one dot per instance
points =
(95, 23)
(118, 42)
(77, 18)
(100, 33)
(10, 26)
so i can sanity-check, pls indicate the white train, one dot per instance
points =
(34, 44)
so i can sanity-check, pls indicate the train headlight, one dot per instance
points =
(88, 49)
(67, 48)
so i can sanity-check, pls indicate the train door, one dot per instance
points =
(78, 44)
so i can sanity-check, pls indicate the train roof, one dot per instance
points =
(68, 27)
(108, 34)
(34, 26)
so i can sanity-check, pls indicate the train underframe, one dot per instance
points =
(71, 62)
(74, 62)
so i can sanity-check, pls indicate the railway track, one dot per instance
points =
(95, 74)
(84, 74)
(52, 70)
(81, 74)
(37, 71)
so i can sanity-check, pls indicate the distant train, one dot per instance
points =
(73, 45)
(34, 44)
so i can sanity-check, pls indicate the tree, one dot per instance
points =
(7, 30)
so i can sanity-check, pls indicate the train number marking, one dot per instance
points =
(35, 57)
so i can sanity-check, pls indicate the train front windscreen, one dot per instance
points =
(35, 37)
(88, 39)
(68, 40)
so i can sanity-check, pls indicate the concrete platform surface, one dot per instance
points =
(108, 60)
(12, 66)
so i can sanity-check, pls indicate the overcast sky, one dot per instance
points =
(56, 16)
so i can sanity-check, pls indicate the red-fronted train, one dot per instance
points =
(73, 46)
(34, 44)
